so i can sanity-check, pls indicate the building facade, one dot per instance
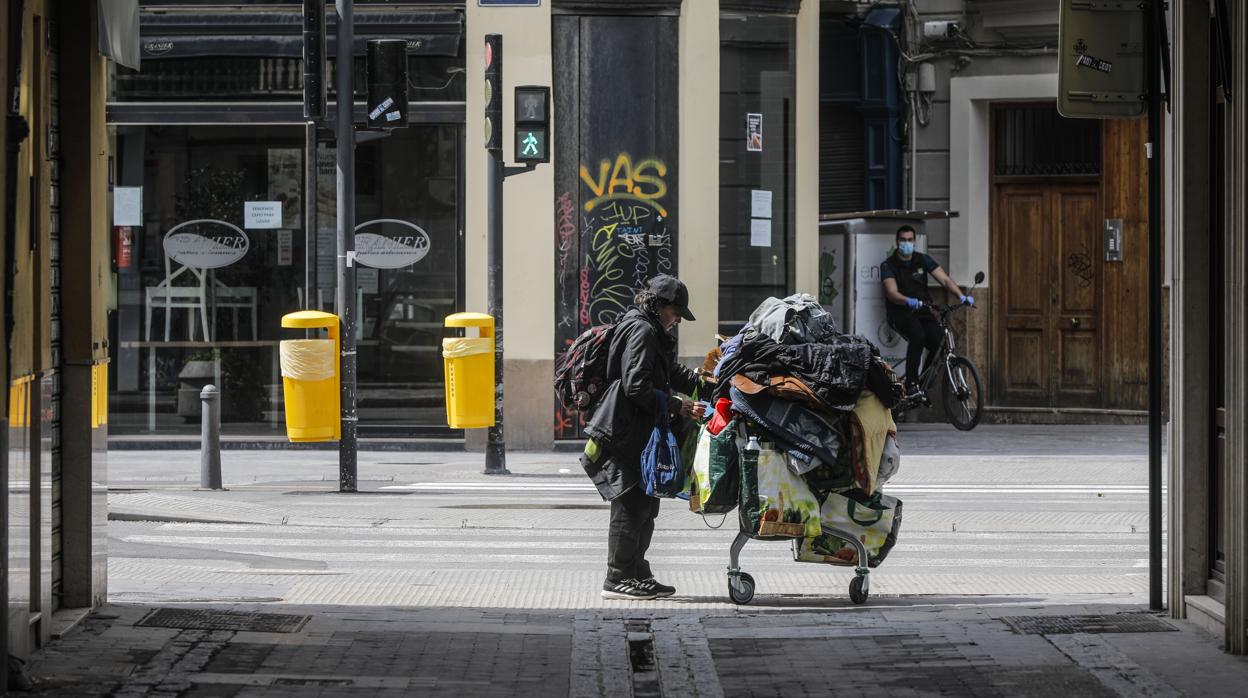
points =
(225, 229)
(676, 132)
(1060, 329)
(1208, 456)
(56, 259)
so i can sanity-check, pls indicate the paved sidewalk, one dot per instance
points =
(894, 647)
(438, 580)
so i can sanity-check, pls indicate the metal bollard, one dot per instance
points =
(210, 439)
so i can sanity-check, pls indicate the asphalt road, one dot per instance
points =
(1017, 511)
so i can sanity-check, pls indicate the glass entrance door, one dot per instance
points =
(756, 164)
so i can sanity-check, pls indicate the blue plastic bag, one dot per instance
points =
(661, 472)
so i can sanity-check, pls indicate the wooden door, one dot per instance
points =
(1047, 339)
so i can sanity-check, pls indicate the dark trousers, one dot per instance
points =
(628, 539)
(921, 331)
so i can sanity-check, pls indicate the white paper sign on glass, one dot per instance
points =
(262, 215)
(127, 206)
(760, 203)
(206, 243)
(390, 244)
(760, 232)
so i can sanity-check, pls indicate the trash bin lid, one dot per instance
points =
(309, 318)
(469, 320)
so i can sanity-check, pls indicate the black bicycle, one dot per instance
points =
(963, 390)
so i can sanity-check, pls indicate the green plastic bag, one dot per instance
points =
(775, 501)
(872, 520)
(716, 471)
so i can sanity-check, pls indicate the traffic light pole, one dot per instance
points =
(496, 173)
(496, 444)
(345, 301)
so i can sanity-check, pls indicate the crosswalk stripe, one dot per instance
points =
(968, 488)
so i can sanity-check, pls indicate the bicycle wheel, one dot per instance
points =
(964, 393)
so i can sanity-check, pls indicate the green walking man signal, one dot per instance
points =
(530, 146)
(532, 134)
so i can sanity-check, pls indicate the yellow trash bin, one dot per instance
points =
(310, 378)
(469, 364)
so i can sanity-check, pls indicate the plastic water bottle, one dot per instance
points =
(749, 456)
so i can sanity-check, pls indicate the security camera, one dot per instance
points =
(941, 29)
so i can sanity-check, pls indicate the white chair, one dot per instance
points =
(195, 298)
(234, 298)
(171, 297)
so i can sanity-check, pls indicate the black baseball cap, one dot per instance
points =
(672, 290)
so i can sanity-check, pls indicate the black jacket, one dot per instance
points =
(641, 360)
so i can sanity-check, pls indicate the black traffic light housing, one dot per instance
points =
(386, 70)
(494, 92)
(313, 59)
(532, 132)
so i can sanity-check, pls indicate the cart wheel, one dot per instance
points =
(741, 588)
(856, 593)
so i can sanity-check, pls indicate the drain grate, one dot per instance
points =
(200, 619)
(1066, 625)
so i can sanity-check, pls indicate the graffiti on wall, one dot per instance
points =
(622, 181)
(624, 235)
(612, 236)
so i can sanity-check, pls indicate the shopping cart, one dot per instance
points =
(741, 584)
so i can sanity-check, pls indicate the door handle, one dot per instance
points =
(1074, 322)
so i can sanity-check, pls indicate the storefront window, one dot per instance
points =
(219, 249)
(756, 222)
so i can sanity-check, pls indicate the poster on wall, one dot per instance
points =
(285, 247)
(754, 133)
(760, 203)
(286, 184)
(760, 232)
(262, 215)
(127, 205)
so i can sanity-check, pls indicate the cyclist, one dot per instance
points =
(904, 275)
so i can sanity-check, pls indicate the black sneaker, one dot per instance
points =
(660, 590)
(627, 590)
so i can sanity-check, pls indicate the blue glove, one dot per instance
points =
(968, 300)
(914, 303)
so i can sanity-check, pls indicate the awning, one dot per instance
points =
(119, 31)
(280, 34)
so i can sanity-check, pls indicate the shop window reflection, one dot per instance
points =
(180, 325)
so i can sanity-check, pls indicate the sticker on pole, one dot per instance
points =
(381, 108)
(390, 244)
(206, 243)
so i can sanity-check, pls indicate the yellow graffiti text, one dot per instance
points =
(623, 180)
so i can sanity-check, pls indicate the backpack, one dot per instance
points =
(581, 371)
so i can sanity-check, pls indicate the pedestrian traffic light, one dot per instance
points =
(532, 135)
(386, 71)
(313, 59)
(494, 92)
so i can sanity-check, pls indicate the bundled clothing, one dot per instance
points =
(822, 396)
(798, 319)
(837, 370)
